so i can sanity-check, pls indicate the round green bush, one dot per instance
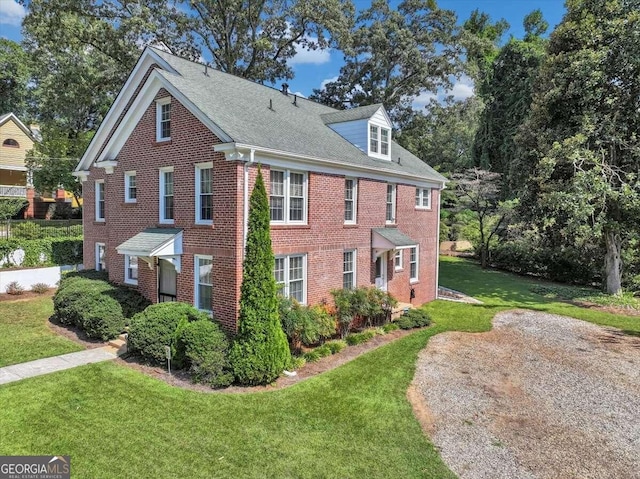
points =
(77, 289)
(158, 326)
(205, 349)
(406, 322)
(100, 316)
(390, 327)
(419, 317)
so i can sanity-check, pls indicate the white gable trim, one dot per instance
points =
(148, 92)
(386, 116)
(147, 58)
(19, 124)
(283, 159)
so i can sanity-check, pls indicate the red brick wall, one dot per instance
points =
(323, 240)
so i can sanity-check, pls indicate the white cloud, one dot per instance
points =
(423, 99)
(11, 12)
(328, 80)
(299, 94)
(312, 57)
(462, 89)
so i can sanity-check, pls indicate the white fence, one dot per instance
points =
(30, 276)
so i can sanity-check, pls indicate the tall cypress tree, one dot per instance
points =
(260, 351)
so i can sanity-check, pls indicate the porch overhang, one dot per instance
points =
(161, 243)
(389, 239)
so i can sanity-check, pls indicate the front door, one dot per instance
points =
(166, 281)
(381, 271)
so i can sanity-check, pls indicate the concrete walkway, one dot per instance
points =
(16, 372)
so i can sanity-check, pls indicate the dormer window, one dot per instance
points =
(379, 139)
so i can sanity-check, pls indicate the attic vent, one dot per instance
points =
(285, 88)
(271, 104)
(295, 100)
(206, 72)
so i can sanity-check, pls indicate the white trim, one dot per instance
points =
(438, 251)
(97, 216)
(354, 200)
(283, 159)
(196, 281)
(198, 171)
(287, 197)
(287, 279)
(108, 165)
(127, 265)
(127, 186)
(161, 196)
(81, 175)
(399, 255)
(97, 256)
(159, 104)
(354, 265)
(394, 204)
(420, 196)
(417, 262)
(378, 154)
(13, 168)
(383, 284)
(27, 131)
(146, 60)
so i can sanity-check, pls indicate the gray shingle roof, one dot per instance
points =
(241, 109)
(149, 240)
(395, 236)
(353, 114)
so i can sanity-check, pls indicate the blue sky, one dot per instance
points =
(312, 68)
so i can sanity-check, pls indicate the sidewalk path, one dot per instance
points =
(16, 372)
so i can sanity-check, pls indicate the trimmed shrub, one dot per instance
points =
(359, 338)
(14, 288)
(205, 350)
(419, 317)
(75, 289)
(303, 324)
(406, 322)
(131, 300)
(336, 346)
(40, 288)
(360, 306)
(390, 327)
(99, 316)
(261, 350)
(157, 326)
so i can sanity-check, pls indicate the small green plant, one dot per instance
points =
(296, 363)
(312, 356)
(420, 317)
(303, 324)
(14, 288)
(40, 288)
(324, 351)
(336, 345)
(390, 327)
(405, 322)
(359, 338)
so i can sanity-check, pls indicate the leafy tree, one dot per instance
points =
(260, 351)
(9, 207)
(479, 191)
(507, 95)
(582, 135)
(255, 39)
(393, 55)
(14, 78)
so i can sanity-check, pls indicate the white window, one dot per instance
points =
(166, 195)
(130, 269)
(288, 197)
(379, 140)
(423, 198)
(349, 269)
(130, 188)
(101, 260)
(203, 286)
(204, 193)
(100, 200)
(391, 203)
(350, 200)
(163, 119)
(397, 260)
(290, 272)
(413, 264)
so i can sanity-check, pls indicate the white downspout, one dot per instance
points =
(252, 153)
(438, 244)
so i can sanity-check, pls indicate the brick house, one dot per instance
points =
(167, 177)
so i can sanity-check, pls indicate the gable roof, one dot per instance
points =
(253, 115)
(353, 114)
(11, 116)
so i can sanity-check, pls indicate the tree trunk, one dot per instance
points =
(483, 257)
(613, 263)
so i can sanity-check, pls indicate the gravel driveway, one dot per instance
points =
(539, 396)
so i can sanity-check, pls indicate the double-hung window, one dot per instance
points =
(288, 197)
(163, 119)
(397, 260)
(204, 193)
(350, 200)
(166, 195)
(101, 261)
(130, 188)
(99, 192)
(373, 139)
(290, 273)
(349, 269)
(384, 141)
(379, 140)
(391, 203)
(423, 198)
(413, 264)
(203, 282)
(131, 269)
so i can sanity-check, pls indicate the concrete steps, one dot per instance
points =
(119, 344)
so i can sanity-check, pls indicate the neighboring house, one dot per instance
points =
(167, 177)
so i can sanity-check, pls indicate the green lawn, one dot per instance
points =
(353, 421)
(24, 334)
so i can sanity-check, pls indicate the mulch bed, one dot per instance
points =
(75, 334)
(181, 379)
(25, 296)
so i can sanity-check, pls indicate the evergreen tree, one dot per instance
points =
(260, 351)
